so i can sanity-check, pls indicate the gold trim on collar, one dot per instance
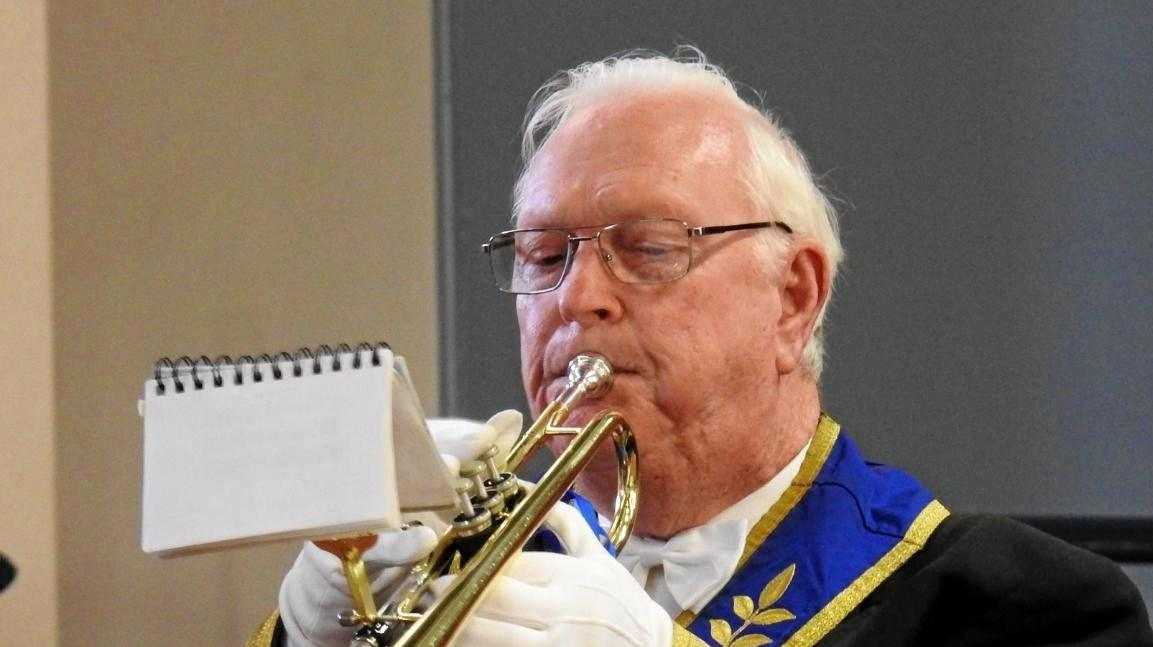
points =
(684, 638)
(835, 611)
(823, 440)
(264, 633)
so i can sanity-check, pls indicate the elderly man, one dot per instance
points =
(668, 225)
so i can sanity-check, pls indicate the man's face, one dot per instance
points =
(691, 356)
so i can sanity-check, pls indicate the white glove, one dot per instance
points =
(465, 439)
(314, 590)
(550, 600)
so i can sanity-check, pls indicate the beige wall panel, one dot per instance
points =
(28, 609)
(227, 179)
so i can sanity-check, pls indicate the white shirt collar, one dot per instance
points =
(685, 571)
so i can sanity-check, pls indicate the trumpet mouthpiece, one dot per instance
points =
(589, 375)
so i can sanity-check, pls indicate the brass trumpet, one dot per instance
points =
(498, 515)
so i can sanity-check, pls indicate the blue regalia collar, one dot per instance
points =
(841, 527)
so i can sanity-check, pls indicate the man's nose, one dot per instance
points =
(589, 293)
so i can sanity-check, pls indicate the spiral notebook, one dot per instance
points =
(312, 444)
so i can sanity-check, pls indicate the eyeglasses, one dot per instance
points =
(531, 261)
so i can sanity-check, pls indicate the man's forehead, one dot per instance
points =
(687, 125)
(662, 137)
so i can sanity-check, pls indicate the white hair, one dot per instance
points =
(777, 175)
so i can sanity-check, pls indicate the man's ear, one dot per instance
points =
(804, 289)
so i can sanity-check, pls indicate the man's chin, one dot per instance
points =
(603, 461)
(586, 410)
(582, 414)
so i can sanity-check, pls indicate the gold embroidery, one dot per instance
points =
(760, 614)
(823, 440)
(684, 638)
(263, 635)
(835, 611)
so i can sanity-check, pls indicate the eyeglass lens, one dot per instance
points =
(639, 251)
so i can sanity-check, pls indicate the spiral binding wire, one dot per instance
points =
(187, 369)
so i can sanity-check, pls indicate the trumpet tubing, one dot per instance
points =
(498, 517)
(440, 623)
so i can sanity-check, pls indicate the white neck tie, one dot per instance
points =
(696, 563)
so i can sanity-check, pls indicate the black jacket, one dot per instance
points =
(986, 580)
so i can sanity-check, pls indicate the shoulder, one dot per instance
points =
(999, 555)
(983, 579)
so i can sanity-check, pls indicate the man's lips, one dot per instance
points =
(558, 383)
(557, 362)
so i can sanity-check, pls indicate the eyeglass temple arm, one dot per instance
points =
(720, 229)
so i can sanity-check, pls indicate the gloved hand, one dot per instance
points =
(580, 598)
(314, 590)
(464, 439)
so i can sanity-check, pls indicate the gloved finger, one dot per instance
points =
(479, 631)
(318, 564)
(542, 591)
(544, 570)
(307, 607)
(513, 601)
(535, 581)
(398, 547)
(585, 632)
(507, 424)
(392, 548)
(315, 590)
(599, 596)
(464, 439)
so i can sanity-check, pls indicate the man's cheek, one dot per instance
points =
(532, 347)
(676, 399)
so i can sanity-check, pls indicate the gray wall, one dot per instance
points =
(991, 330)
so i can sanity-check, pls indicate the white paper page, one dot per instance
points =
(302, 456)
(423, 482)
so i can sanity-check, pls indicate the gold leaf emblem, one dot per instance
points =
(751, 640)
(772, 616)
(743, 606)
(721, 631)
(762, 613)
(776, 587)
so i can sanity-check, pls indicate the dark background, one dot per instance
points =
(992, 328)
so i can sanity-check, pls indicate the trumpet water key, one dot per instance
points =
(497, 515)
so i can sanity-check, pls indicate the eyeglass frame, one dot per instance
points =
(574, 242)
